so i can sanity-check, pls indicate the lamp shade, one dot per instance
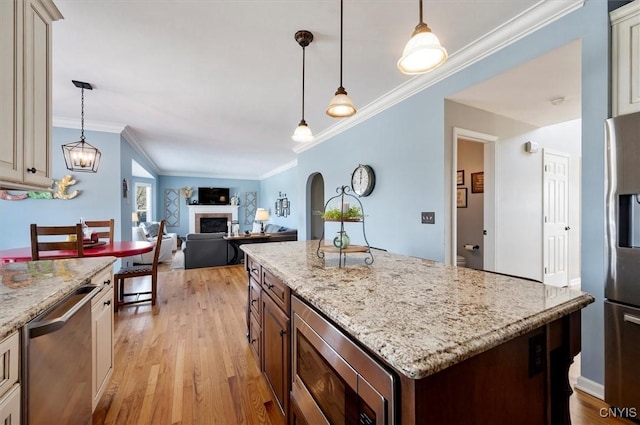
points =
(134, 217)
(302, 133)
(341, 105)
(423, 52)
(262, 214)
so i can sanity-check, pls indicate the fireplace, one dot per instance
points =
(223, 212)
(213, 224)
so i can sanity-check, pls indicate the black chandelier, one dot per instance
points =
(81, 156)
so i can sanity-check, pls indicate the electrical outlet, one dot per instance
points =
(428, 217)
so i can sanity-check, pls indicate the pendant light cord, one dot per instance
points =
(303, 62)
(421, 21)
(82, 115)
(341, 12)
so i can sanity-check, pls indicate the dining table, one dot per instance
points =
(116, 249)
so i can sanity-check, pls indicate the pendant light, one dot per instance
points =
(303, 133)
(341, 106)
(423, 52)
(81, 156)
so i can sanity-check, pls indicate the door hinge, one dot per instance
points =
(545, 270)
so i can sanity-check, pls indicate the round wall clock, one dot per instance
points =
(363, 180)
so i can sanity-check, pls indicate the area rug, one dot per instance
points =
(178, 260)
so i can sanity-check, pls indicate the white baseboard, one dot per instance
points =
(590, 387)
(575, 282)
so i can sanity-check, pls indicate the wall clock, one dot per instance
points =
(363, 180)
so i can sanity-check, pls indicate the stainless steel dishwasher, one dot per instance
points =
(57, 356)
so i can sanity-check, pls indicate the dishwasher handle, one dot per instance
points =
(38, 328)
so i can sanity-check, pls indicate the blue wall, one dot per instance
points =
(285, 183)
(99, 196)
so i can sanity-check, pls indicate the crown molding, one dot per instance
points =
(537, 16)
(128, 135)
(280, 169)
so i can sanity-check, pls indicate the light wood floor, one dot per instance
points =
(187, 360)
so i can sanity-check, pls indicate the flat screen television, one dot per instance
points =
(213, 195)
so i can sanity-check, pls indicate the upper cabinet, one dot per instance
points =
(25, 93)
(625, 59)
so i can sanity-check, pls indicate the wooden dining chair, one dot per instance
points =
(121, 296)
(105, 226)
(67, 238)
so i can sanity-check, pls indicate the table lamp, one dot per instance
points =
(262, 215)
(134, 218)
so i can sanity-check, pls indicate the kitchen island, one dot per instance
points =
(466, 346)
(84, 333)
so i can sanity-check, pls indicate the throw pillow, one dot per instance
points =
(152, 230)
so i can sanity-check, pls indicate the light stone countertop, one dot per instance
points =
(418, 315)
(29, 288)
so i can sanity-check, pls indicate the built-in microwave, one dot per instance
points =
(334, 381)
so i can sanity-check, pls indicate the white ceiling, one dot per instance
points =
(213, 87)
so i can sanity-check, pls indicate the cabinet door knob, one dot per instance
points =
(269, 287)
(31, 170)
(107, 282)
(252, 301)
(567, 228)
(108, 302)
(282, 332)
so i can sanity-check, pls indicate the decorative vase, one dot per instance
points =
(342, 240)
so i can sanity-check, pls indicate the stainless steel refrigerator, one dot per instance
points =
(622, 290)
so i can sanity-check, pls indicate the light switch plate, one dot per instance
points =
(428, 217)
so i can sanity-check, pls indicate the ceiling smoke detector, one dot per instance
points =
(557, 101)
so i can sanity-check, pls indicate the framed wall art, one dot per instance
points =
(477, 182)
(461, 197)
(460, 177)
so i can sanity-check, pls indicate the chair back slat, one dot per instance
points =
(156, 254)
(69, 232)
(107, 227)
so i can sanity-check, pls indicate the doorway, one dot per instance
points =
(315, 191)
(473, 218)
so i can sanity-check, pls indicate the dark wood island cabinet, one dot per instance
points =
(408, 340)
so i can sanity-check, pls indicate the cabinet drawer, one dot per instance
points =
(255, 301)
(255, 339)
(10, 406)
(254, 269)
(103, 278)
(9, 361)
(277, 290)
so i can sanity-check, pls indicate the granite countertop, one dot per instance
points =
(29, 288)
(420, 316)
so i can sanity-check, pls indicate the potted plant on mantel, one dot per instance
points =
(337, 214)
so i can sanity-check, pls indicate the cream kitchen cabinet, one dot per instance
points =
(9, 382)
(25, 92)
(625, 59)
(102, 336)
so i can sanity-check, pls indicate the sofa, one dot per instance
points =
(147, 232)
(280, 233)
(206, 250)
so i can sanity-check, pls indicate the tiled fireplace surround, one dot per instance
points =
(230, 212)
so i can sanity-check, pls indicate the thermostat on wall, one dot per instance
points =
(531, 147)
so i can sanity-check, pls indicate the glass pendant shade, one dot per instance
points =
(81, 156)
(423, 53)
(302, 133)
(341, 105)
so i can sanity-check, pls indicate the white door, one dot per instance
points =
(556, 218)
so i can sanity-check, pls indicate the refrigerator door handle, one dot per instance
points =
(632, 319)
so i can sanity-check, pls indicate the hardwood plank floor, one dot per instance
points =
(187, 360)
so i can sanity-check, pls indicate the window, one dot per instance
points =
(144, 201)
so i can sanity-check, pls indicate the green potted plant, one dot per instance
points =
(336, 214)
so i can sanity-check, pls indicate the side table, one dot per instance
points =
(236, 241)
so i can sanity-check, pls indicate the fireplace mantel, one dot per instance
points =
(229, 211)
